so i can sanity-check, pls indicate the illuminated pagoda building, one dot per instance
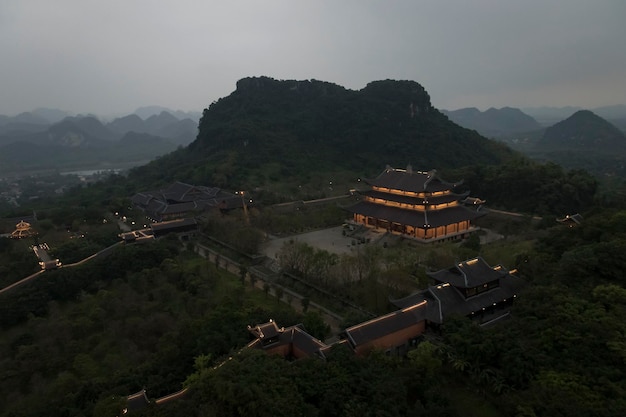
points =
(416, 204)
(23, 230)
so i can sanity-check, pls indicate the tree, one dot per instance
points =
(426, 358)
(279, 292)
(315, 325)
(243, 271)
(305, 303)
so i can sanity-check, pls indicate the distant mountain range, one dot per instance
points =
(509, 122)
(148, 111)
(493, 122)
(85, 140)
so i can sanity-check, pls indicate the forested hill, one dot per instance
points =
(269, 130)
(584, 130)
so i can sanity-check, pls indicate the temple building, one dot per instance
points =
(392, 333)
(180, 200)
(291, 342)
(416, 204)
(470, 288)
(22, 230)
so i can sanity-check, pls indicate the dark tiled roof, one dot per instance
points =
(137, 401)
(444, 299)
(414, 218)
(141, 198)
(387, 324)
(178, 208)
(173, 225)
(417, 181)
(182, 198)
(453, 302)
(295, 336)
(266, 330)
(469, 274)
(304, 342)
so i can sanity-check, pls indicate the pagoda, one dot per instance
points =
(22, 230)
(416, 204)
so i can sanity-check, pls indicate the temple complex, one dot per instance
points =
(471, 288)
(416, 204)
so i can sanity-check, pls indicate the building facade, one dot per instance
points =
(416, 204)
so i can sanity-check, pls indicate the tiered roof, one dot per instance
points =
(446, 297)
(469, 274)
(421, 216)
(408, 180)
(414, 218)
(406, 199)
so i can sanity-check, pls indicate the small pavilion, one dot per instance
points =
(22, 230)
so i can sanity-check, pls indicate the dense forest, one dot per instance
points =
(159, 317)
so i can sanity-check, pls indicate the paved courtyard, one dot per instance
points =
(331, 240)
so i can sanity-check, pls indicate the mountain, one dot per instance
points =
(148, 111)
(547, 115)
(23, 123)
(584, 130)
(291, 133)
(616, 115)
(31, 118)
(494, 122)
(164, 125)
(51, 115)
(11, 129)
(182, 132)
(80, 131)
(582, 141)
(130, 123)
(82, 142)
(158, 122)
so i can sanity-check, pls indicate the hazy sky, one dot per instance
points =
(110, 57)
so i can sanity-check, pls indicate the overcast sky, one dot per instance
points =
(110, 57)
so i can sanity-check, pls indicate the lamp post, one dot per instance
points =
(245, 207)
